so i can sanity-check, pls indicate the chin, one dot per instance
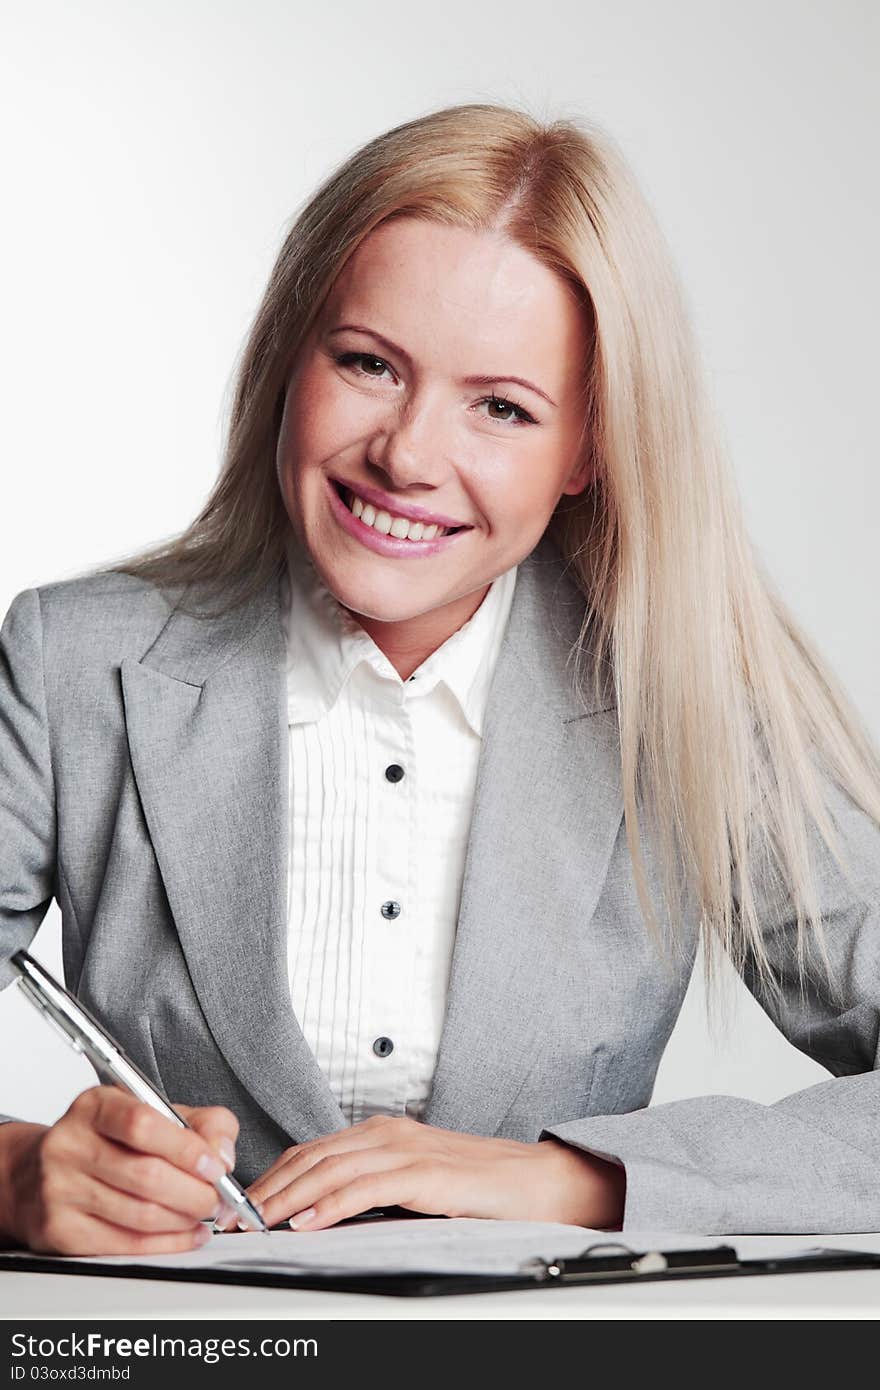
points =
(377, 609)
(367, 593)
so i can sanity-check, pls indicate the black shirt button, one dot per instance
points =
(383, 1047)
(391, 910)
(394, 772)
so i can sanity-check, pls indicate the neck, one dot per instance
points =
(411, 641)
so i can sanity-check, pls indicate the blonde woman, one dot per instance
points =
(385, 806)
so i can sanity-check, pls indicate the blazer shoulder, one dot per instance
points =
(106, 614)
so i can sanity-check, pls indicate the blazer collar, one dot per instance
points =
(206, 716)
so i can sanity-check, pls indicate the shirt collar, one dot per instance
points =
(325, 644)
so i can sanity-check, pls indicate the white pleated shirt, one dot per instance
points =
(380, 796)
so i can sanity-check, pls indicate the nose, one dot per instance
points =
(411, 444)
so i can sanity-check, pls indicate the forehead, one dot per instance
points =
(436, 289)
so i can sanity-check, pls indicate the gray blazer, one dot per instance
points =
(143, 783)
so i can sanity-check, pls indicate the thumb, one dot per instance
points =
(217, 1126)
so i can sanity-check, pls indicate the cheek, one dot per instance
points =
(310, 406)
(311, 419)
(521, 499)
(529, 485)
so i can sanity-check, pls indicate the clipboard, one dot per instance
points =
(625, 1266)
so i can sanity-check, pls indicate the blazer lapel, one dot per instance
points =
(547, 810)
(206, 717)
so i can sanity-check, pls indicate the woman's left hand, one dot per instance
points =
(385, 1161)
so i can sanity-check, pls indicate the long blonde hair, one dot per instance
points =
(725, 709)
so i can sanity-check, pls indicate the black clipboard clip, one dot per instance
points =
(630, 1263)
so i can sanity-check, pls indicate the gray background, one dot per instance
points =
(159, 154)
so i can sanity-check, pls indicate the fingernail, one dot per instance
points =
(202, 1236)
(210, 1167)
(227, 1150)
(302, 1218)
(224, 1219)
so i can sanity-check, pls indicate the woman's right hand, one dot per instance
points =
(113, 1176)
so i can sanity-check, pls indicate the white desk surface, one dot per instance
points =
(844, 1294)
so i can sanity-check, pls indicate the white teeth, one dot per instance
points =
(389, 525)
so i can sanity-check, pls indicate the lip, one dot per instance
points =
(385, 545)
(383, 502)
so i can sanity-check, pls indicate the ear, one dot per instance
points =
(581, 476)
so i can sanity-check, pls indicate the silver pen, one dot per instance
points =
(84, 1034)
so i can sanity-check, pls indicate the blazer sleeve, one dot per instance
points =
(28, 826)
(811, 1161)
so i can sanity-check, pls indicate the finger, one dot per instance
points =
(283, 1175)
(397, 1187)
(217, 1125)
(137, 1125)
(364, 1134)
(117, 1208)
(152, 1179)
(328, 1175)
(281, 1161)
(269, 1185)
(78, 1234)
(298, 1159)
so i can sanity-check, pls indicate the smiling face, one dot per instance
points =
(384, 400)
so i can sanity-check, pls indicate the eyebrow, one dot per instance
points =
(468, 380)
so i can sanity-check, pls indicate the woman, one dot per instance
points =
(393, 846)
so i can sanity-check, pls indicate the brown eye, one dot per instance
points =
(348, 359)
(519, 416)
